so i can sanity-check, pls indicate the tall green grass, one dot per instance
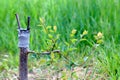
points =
(92, 15)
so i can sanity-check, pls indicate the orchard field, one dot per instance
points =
(86, 32)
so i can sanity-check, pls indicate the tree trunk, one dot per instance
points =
(23, 70)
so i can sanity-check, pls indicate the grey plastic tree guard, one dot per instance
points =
(23, 36)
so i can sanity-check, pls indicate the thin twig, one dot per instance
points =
(17, 17)
(45, 53)
(28, 24)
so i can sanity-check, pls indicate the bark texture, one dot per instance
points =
(23, 70)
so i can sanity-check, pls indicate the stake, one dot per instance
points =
(23, 44)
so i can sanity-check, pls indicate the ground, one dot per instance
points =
(63, 74)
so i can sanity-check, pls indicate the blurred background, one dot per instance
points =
(92, 15)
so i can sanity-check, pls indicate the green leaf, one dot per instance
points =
(50, 36)
(100, 41)
(73, 40)
(42, 61)
(52, 55)
(66, 43)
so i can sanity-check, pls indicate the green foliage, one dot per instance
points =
(109, 60)
(68, 49)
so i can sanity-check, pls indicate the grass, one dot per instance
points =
(91, 15)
